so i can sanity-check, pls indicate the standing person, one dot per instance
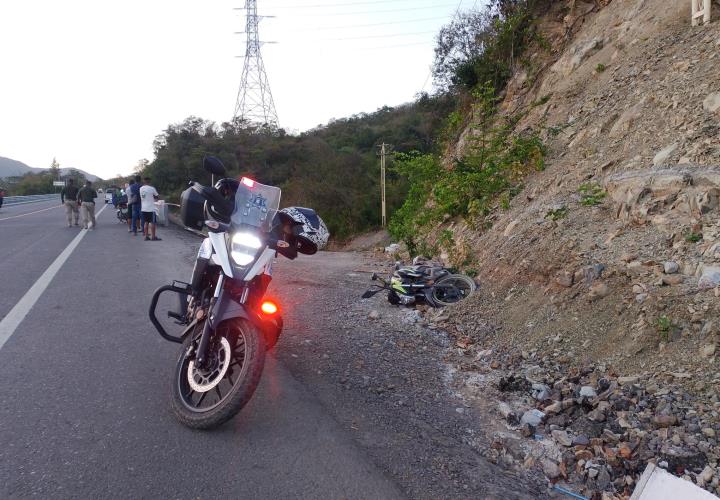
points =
(86, 196)
(148, 196)
(129, 207)
(2, 195)
(68, 197)
(133, 195)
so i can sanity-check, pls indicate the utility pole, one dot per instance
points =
(254, 101)
(701, 9)
(385, 149)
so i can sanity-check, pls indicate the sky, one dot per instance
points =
(93, 83)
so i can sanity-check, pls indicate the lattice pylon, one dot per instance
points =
(254, 100)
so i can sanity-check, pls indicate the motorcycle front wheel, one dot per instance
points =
(208, 397)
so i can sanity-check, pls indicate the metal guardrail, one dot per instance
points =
(20, 200)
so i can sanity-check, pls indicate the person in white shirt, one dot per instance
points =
(148, 196)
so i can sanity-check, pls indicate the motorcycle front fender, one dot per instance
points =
(227, 309)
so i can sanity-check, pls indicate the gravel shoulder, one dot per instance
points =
(384, 376)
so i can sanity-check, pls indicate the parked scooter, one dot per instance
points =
(227, 322)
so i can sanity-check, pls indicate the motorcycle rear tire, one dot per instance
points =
(243, 388)
(464, 286)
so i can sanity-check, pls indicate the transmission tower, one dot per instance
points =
(254, 100)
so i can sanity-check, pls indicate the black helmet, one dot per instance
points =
(221, 207)
(308, 229)
(227, 187)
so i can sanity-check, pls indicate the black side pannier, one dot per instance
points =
(192, 209)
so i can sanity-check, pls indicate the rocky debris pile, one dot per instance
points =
(591, 430)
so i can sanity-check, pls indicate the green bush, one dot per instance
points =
(664, 327)
(591, 194)
(492, 171)
(556, 213)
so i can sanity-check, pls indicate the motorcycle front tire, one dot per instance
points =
(393, 297)
(247, 377)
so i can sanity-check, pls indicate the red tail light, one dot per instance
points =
(248, 182)
(269, 307)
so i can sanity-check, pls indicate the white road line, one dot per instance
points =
(35, 212)
(17, 314)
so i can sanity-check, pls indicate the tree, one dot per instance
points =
(55, 169)
(142, 164)
(333, 168)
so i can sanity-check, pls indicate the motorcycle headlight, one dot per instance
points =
(244, 247)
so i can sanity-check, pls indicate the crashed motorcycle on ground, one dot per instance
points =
(227, 324)
(433, 284)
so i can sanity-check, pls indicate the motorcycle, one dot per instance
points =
(227, 322)
(433, 284)
(123, 213)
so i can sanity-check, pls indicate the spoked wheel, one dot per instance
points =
(206, 397)
(452, 288)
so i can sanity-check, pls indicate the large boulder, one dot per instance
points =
(686, 189)
(574, 57)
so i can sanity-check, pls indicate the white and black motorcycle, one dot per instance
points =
(227, 322)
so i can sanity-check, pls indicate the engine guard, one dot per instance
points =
(225, 308)
(182, 289)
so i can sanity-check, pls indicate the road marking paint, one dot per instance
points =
(35, 212)
(17, 314)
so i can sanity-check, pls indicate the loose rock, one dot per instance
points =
(599, 291)
(532, 417)
(671, 267)
(562, 438)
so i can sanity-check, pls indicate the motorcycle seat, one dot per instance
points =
(409, 273)
(420, 270)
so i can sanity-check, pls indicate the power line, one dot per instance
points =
(325, 5)
(350, 26)
(457, 11)
(384, 47)
(369, 37)
(373, 11)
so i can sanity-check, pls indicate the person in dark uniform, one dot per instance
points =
(86, 196)
(68, 197)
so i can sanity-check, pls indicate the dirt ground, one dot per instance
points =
(386, 380)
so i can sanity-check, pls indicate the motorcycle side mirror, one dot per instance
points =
(368, 294)
(213, 165)
(374, 277)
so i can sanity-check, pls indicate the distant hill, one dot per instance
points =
(11, 168)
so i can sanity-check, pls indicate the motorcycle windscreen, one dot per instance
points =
(256, 205)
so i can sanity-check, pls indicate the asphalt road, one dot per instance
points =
(84, 382)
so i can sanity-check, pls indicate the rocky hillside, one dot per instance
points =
(607, 264)
(616, 244)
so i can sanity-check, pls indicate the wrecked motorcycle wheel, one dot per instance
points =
(451, 289)
(203, 398)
